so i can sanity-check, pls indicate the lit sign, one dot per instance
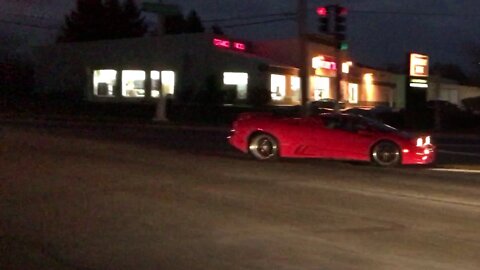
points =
(221, 43)
(239, 46)
(418, 85)
(228, 44)
(321, 62)
(418, 65)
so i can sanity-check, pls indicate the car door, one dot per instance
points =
(343, 137)
(296, 137)
(356, 138)
(318, 137)
(324, 135)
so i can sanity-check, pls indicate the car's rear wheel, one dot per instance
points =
(386, 154)
(263, 147)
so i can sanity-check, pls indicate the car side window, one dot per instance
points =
(330, 121)
(360, 124)
(342, 122)
(347, 124)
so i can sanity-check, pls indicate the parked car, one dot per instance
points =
(442, 105)
(370, 112)
(325, 103)
(328, 135)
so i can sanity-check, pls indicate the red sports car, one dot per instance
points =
(328, 135)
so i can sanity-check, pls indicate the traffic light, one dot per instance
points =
(323, 17)
(340, 19)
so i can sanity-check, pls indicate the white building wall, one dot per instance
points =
(453, 93)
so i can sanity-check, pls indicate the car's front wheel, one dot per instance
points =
(263, 147)
(386, 154)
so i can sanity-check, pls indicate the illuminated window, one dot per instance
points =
(104, 81)
(168, 82)
(239, 80)
(164, 79)
(133, 83)
(353, 93)
(295, 86)
(321, 87)
(368, 77)
(278, 86)
(369, 87)
(346, 67)
(155, 83)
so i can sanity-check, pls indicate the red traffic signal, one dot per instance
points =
(341, 11)
(322, 11)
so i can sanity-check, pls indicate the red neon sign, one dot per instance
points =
(221, 43)
(321, 62)
(225, 43)
(239, 46)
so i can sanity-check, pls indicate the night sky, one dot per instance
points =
(380, 32)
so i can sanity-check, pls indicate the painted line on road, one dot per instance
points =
(459, 153)
(454, 170)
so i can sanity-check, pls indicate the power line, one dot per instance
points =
(412, 13)
(290, 16)
(256, 23)
(259, 16)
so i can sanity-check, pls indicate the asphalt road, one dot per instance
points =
(112, 198)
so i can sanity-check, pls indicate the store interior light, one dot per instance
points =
(346, 67)
(368, 77)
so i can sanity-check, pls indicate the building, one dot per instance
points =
(144, 69)
(450, 91)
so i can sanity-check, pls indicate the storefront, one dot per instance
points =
(359, 85)
(144, 69)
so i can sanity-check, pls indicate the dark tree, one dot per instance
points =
(193, 23)
(135, 23)
(83, 23)
(178, 24)
(97, 20)
(449, 71)
(175, 24)
(217, 30)
(113, 20)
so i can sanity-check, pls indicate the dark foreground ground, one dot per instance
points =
(106, 197)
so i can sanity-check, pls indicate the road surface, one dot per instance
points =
(113, 199)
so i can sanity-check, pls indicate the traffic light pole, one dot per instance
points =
(332, 22)
(304, 78)
(338, 81)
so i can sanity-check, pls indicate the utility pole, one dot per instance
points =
(339, 32)
(304, 74)
(332, 22)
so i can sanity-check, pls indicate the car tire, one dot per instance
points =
(263, 147)
(386, 154)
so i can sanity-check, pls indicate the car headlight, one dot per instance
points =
(428, 140)
(424, 141)
(419, 142)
